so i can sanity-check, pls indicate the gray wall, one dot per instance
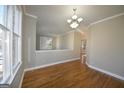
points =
(29, 41)
(65, 41)
(107, 45)
(37, 42)
(53, 56)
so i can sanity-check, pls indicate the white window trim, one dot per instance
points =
(41, 43)
(9, 79)
(5, 77)
(18, 64)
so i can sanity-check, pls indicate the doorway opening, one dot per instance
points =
(83, 52)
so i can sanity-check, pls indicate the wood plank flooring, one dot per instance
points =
(69, 75)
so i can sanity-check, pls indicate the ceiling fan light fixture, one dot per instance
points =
(74, 25)
(74, 21)
(80, 19)
(69, 21)
(74, 17)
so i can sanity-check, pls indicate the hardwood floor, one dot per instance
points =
(69, 75)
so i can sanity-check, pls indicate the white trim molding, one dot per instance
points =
(59, 50)
(43, 66)
(20, 84)
(67, 32)
(30, 15)
(46, 65)
(14, 75)
(106, 72)
(23, 8)
(105, 19)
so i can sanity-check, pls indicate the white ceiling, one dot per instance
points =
(52, 18)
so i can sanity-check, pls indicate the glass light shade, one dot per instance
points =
(74, 17)
(1, 31)
(80, 19)
(74, 25)
(69, 20)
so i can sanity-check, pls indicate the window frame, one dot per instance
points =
(46, 48)
(13, 68)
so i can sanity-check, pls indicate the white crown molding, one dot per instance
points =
(28, 14)
(23, 8)
(106, 19)
(66, 33)
(47, 35)
(91, 24)
(81, 31)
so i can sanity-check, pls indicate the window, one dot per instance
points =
(2, 12)
(4, 44)
(16, 38)
(10, 42)
(46, 43)
(1, 53)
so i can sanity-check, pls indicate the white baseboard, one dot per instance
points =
(20, 85)
(106, 72)
(46, 65)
